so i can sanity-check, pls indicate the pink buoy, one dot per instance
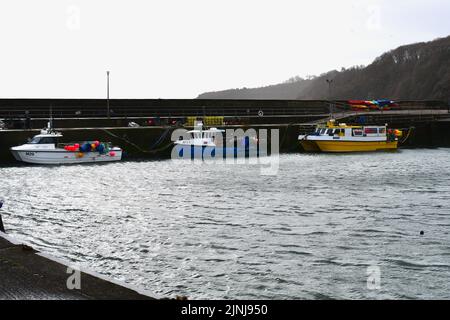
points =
(112, 154)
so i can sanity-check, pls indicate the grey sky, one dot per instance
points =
(181, 48)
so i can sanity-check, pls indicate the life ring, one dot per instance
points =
(260, 113)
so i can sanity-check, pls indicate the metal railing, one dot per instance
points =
(185, 108)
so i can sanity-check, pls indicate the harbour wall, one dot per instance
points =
(86, 119)
(92, 108)
(26, 274)
(155, 142)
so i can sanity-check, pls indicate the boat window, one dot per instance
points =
(47, 140)
(357, 132)
(323, 131)
(382, 130)
(35, 140)
(370, 130)
(330, 132)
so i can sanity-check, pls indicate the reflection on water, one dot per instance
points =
(224, 231)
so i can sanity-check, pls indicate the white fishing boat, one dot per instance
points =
(201, 138)
(199, 141)
(45, 148)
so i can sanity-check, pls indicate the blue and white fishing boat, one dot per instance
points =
(209, 143)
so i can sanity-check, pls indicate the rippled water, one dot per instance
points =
(225, 231)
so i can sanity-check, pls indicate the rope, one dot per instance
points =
(285, 134)
(161, 138)
(139, 148)
(407, 136)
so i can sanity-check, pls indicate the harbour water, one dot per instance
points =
(320, 228)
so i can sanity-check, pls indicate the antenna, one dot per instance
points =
(50, 123)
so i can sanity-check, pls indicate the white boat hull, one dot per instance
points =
(60, 156)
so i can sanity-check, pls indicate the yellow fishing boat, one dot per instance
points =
(334, 137)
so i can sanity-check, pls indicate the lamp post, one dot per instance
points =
(107, 94)
(330, 82)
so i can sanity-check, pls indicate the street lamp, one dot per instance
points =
(330, 82)
(107, 93)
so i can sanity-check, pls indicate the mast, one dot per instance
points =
(107, 94)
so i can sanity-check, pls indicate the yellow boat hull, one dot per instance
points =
(355, 146)
(309, 146)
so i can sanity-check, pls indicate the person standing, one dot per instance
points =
(2, 228)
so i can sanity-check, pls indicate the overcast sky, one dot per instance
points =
(181, 48)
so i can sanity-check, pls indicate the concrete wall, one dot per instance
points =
(82, 108)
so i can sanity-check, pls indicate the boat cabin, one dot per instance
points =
(344, 130)
(44, 139)
(205, 134)
(200, 137)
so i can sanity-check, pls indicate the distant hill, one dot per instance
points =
(418, 71)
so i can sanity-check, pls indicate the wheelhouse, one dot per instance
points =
(351, 131)
(44, 140)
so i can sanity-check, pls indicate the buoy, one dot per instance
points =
(112, 154)
(422, 233)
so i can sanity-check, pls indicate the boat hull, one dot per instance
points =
(202, 152)
(309, 146)
(355, 146)
(58, 157)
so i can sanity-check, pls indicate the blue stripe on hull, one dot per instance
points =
(198, 152)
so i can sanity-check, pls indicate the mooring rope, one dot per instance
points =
(139, 148)
(285, 134)
(407, 136)
(161, 138)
